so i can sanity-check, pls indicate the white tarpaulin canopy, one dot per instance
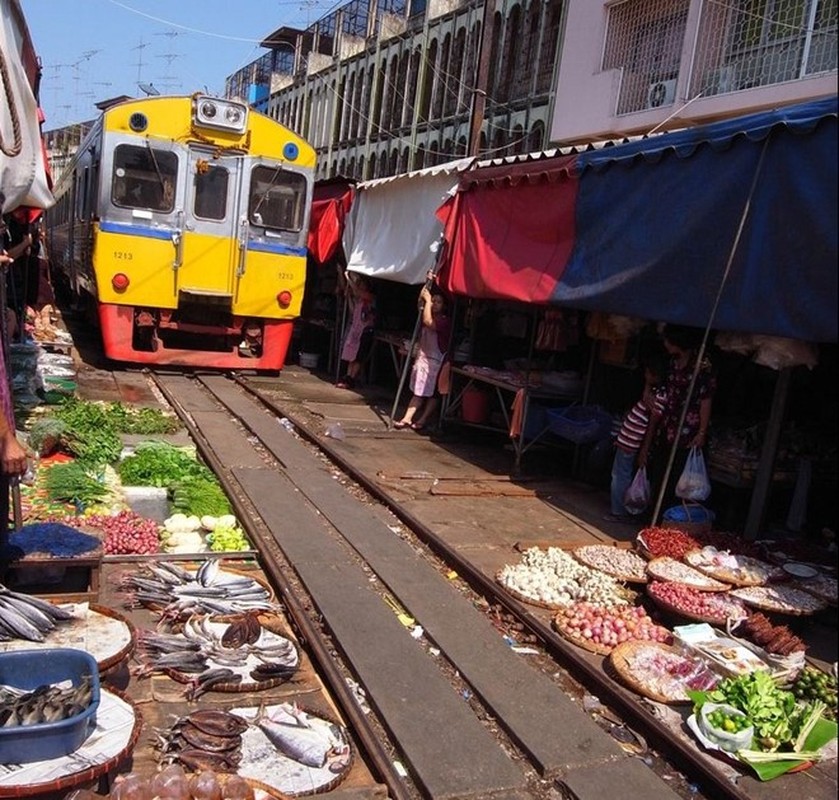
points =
(23, 176)
(392, 225)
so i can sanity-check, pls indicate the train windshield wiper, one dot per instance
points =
(268, 188)
(156, 167)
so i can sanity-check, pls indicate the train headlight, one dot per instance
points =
(284, 299)
(223, 115)
(120, 282)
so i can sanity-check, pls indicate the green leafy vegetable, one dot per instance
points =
(201, 496)
(71, 483)
(160, 464)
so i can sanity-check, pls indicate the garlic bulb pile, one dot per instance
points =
(553, 577)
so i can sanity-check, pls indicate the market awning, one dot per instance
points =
(393, 224)
(645, 228)
(331, 203)
(23, 176)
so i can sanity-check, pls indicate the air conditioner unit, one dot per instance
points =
(661, 93)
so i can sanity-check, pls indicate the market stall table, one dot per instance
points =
(514, 392)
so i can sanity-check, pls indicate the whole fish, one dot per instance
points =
(292, 733)
(201, 740)
(56, 612)
(15, 623)
(207, 572)
(215, 722)
(198, 760)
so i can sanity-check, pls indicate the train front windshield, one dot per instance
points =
(144, 177)
(277, 198)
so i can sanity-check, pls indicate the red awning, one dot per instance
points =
(330, 205)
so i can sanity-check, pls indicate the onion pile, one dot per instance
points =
(714, 607)
(126, 533)
(608, 628)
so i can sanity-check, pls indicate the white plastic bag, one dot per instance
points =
(693, 483)
(637, 496)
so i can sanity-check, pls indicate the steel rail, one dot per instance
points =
(383, 767)
(590, 674)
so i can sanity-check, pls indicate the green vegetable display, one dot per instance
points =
(227, 540)
(161, 464)
(200, 495)
(72, 483)
(813, 684)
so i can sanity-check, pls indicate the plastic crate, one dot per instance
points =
(580, 424)
(29, 669)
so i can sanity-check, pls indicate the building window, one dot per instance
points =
(762, 42)
(644, 40)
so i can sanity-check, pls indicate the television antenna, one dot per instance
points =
(148, 89)
(142, 46)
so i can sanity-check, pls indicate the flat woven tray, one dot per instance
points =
(299, 770)
(108, 650)
(678, 612)
(819, 587)
(618, 662)
(269, 622)
(65, 783)
(767, 605)
(271, 598)
(581, 554)
(657, 569)
(524, 598)
(729, 576)
(585, 644)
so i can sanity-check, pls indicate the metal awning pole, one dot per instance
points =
(702, 347)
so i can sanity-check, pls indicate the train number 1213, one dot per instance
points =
(122, 255)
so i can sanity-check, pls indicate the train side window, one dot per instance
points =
(211, 192)
(144, 177)
(277, 198)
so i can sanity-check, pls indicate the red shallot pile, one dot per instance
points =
(125, 533)
(711, 606)
(609, 627)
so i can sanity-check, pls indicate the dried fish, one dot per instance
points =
(206, 680)
(201, 740)
(46, 703)
(197, 760)
(215, 722)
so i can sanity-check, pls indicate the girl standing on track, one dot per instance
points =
(431, 352)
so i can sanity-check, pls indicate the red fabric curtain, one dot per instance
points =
(509, 239)
(330, 205)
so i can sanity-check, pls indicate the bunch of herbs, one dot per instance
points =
(160, 464)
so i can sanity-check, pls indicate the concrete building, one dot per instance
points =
(635, 66)
(381, 87)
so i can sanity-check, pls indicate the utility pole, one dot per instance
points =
(479, 93)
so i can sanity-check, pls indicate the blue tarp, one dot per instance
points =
(656, 220)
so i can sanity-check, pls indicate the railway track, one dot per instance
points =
(457, 712)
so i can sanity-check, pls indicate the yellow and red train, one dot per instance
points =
(185, 219)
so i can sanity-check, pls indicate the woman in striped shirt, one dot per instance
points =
(631, 436)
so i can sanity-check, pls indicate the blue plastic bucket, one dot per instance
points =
(29, 669)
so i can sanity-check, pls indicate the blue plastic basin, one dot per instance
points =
(29, 669)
